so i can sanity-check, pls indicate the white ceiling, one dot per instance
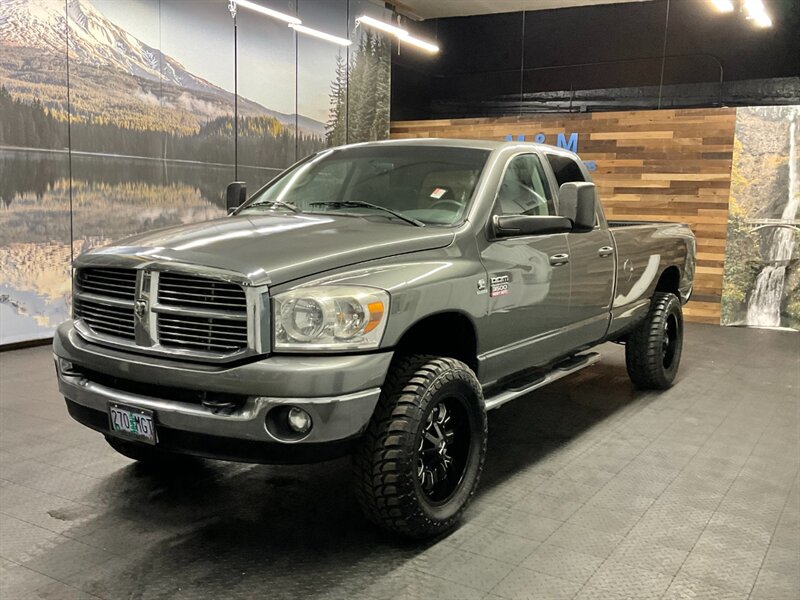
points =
(432, 9)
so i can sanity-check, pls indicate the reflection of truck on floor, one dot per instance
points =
(376, 300)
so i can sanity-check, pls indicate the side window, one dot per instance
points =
(524, 189)
(565, 169)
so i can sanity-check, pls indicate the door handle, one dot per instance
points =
(605, 251)
(559, 259)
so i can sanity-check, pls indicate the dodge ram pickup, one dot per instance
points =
(374, 300)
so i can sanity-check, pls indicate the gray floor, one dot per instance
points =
(591, 490)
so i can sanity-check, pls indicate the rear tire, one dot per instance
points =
(653, 348)
(422, 455)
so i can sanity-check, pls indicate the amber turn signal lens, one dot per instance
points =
(375, 315)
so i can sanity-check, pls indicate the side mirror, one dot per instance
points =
(577, 200)
(514, 225)
(235, 195)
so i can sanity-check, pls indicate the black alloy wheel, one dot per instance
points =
(443, 450)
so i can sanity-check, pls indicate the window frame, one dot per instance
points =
(546, 179)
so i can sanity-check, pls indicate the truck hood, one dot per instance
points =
(272, 249)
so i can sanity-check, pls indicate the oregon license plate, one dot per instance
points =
(132, 423)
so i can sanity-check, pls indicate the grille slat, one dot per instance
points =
(173, 330)
(106, 319)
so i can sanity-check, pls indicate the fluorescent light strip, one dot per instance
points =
(268, 11)
(320, 34)
(410, 39)
(401, 34)
(382, 25)
(723, 6)
(757, 12)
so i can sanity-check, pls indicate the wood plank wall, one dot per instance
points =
(666, 165)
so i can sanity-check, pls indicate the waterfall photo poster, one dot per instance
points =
(762, 260)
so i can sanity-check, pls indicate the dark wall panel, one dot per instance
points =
(486, 66)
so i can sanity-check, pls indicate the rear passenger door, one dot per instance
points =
(528, 276)
(593, 263)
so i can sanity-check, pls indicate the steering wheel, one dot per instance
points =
(455, 203)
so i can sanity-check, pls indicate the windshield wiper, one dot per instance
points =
(359, 203)
(269, 203)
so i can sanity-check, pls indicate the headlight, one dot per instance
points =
(330, 318)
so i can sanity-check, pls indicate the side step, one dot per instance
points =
(559, 370)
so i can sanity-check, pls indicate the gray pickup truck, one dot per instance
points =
(374, 300)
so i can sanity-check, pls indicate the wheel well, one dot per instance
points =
(669, 281)
(450, 334)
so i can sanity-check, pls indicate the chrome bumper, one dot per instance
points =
(335, 417)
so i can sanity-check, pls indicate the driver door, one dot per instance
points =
(528, 277)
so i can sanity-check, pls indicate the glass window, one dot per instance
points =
(431, 184)
(565, 169)
(524, 189)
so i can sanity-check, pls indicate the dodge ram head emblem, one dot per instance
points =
(140, 307)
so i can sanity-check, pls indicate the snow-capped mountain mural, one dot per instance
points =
(118, 117)
(32, 30)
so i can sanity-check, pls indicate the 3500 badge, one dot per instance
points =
(498, 285)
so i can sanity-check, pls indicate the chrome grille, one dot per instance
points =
(171, 313)
(210, 334)
(175, 289)
(116, 283)
(106, 319)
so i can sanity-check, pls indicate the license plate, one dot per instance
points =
(133, 423)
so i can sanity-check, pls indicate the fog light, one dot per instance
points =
(65, 366)
(299, 420)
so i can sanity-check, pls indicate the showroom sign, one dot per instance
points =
(562, 141)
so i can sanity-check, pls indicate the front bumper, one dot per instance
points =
(339, 392)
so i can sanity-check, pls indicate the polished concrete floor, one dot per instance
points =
(591, 490)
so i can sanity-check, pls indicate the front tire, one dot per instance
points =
(422, 454)
(653, 348)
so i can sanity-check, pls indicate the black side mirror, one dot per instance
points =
(577, 200)
(235, 195)
(514, 225)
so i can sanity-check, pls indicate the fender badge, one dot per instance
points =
(481, 286)
(499, 285)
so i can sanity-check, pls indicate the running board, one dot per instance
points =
(559, 370)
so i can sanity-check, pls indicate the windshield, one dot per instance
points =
(416, 185)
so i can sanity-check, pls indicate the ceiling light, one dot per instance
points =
(401, 34)
(410, 39)
(268, 11)
(320, 34)
(382, 25)
(723, 6)
(757, 12)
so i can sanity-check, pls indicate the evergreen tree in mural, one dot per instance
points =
(360, 104)
(336, 127)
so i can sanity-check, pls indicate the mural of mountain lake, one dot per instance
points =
(111, 197)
